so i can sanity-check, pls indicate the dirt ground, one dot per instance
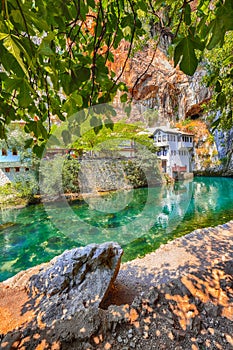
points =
(200, 249)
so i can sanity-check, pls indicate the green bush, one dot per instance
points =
(58, 176)
(6, 190)
(26, 186)
(144, 170)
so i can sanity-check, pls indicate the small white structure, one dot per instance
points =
(10, 165)
(175, 151)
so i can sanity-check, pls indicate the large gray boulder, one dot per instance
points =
(73, 286)
(65, 296)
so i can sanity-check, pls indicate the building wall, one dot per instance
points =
(9, 171)
(11, 166)
(9, 157)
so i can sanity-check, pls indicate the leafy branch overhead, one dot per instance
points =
(201, 27)
(55, 56)
(55, 63)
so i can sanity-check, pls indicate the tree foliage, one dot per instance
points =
(55, 56)
(54, 63)
(195, 27)
(110, 139)
(219, 65)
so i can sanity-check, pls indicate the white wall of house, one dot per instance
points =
(7, 155)
(9, 171)
(11, 166)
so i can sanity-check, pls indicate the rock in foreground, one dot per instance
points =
(65, 296)
(178, 298)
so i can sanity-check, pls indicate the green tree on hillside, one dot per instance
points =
(108, 139)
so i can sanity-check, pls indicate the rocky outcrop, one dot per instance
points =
(162, 94)
(224, 145)
(156, 86)
(154, 83)
(65, 295)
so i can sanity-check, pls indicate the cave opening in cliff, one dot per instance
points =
(194, 116)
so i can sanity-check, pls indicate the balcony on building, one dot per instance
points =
(161, 140)
(162, 153)
(185, 141)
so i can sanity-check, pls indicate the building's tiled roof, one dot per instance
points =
(167, 129)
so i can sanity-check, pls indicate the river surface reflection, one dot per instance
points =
(139, 220)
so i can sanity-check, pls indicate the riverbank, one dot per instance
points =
(179, 297)
(14, 202)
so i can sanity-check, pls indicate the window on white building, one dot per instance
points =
(14, 151)
(4, 152)
(164, 138)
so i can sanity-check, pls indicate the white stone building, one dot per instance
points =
(175, 151)
(11, 165)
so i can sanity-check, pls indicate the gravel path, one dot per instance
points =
(199, 250)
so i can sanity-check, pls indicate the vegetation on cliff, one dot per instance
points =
(219, 78)
(205, 154)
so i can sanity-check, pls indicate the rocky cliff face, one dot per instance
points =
(224, 143)
(154, 83)
(162, 94)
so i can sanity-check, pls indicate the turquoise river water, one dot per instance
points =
(139, 220)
